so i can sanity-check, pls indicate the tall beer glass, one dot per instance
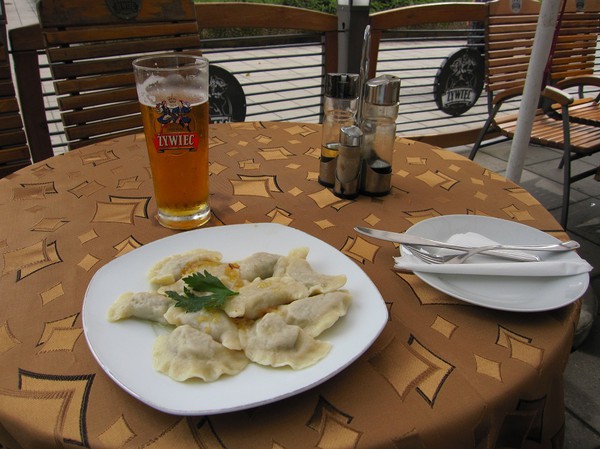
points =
(173, 94)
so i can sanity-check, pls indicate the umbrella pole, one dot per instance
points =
(533, 86)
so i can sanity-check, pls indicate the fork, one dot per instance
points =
(455, 258)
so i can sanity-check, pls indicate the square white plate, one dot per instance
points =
(124, 349)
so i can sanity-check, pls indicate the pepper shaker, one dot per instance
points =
(379, 113)
(347, 171)
(340, 106)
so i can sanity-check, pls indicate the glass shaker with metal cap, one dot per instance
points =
(340, 106)
(379, 113)
(347, 170)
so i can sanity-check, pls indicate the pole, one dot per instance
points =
(533, 85)
(353, 17)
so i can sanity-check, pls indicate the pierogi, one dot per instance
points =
(145, 305)
(272, 312)
(187, 352)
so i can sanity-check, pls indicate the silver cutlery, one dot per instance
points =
(407, 239)
(462, 257)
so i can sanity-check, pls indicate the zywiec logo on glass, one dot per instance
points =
(172, 117)
(176, 141)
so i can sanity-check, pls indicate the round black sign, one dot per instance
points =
(124, 9)
(459, 81)
(227, 99)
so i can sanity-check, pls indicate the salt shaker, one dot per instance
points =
(340, 106)
(379, 113)
(347, 170)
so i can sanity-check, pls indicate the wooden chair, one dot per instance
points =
(90, 48)
(14, 151)
(261, 94)
(437, 30)
(574, 60)
(27, 48)
(280, 83)
(508, 40)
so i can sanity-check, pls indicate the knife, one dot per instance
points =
(408, 239)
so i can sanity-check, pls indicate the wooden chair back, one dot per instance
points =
(90, 48)
(508, 44)
(576, 46)
(414, 43)
(510, 36)
(274, 79)
(14, 151)
(27, 48)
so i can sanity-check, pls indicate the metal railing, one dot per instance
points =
(282, 74)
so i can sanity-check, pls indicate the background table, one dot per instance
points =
(443, 374)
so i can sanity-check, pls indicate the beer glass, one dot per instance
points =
(173, 94)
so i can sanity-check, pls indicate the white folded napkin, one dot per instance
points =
(553, 265)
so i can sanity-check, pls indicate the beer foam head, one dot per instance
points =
(171, 90)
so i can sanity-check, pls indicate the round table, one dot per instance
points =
(443, 373)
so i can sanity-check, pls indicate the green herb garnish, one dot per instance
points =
(202, 290)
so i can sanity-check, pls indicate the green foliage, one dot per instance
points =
(327, 6)
(382, 5)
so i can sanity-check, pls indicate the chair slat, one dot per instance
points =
(131, 123)
(94, 99)
(126, 31)
(119, 48)
(90, 50)
(101, 113)
(86, 84)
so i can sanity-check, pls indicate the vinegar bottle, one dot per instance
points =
(340, 106)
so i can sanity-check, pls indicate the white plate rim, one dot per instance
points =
(485, 225)
(350, 337)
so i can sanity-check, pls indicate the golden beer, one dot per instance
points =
(175, 117)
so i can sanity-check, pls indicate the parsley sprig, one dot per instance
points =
(202, 290)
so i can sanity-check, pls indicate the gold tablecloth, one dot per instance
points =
(443, 374)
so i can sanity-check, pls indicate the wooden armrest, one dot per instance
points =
(583, 80)
(507, 94)
(557, 95)
(553, 93)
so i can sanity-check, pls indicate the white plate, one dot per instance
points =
(124, 349)
(511, 293)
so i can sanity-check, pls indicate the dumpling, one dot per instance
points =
(186, 353)
(316, 313)
(258, 265)
(146, 305)
(271, 341)
(228, 274)
(263, 295)
(170, 269)
(212, 322)
(298, 268)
